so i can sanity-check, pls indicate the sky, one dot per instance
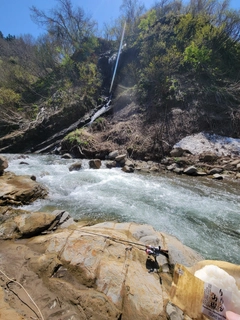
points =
(15, 14)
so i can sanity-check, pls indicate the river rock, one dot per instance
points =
(112, 155)
(217, 176)
(111, 164)
(128, 169)
(3, 164)
(95, 163)
(215, 170)
(177, 152)
(191, 171)
(172, 167)
(121, 158)
(129, 163)
(66, 156)
(19, 190)
(154, 168)
(17, 223)
(230, 167)
(76, 166)
(236, 162)
(208, 157)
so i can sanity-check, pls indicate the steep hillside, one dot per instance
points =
(142, 132)
(178, 74)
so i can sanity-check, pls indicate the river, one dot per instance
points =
(202, 213)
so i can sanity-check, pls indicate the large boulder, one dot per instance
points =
(20, 190)
(95, 272)
(17, 223)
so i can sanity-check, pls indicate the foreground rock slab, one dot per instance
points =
(93, 272)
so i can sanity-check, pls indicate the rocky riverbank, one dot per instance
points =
(180, 161)
(90, 272)
(81, 270)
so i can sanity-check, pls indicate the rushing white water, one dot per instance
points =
(202, 213)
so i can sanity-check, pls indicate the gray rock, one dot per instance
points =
(177, 152)
(191, 171)
(173, 312)
(95, 163)
(217, 176)
(112, 155)
(129, 163)
(63, 216)
(215, 170)
(154, 169)
(235, 162)
(208, 157)
(120, 157)
(66, 156)
(76, 166)
(178, 170)
(128, 169)
(201, 173)
(172, 167)
(111, 164)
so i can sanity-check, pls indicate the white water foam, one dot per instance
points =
(202, 213)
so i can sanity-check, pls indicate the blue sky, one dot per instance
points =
(15, 14)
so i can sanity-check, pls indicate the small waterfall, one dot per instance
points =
(119, 52)
(101, 111)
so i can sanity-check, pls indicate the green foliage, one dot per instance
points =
(8, 97)
(196, 56)
(77, 137)
(170, 44)
(148, 21)
(195, 44)
(88, 77)
(69, 28)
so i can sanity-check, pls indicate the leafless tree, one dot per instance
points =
(132, 11)
(68, 26)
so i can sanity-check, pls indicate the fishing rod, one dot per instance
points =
(119, 51)
(110, 238)
(161, 251)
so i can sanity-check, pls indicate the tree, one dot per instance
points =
(68, 27)
(46, 54)
(164, 7)
(10, 37)
(132, 10)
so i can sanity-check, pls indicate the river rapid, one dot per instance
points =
(202, 213)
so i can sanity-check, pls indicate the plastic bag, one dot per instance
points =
(198, 299)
